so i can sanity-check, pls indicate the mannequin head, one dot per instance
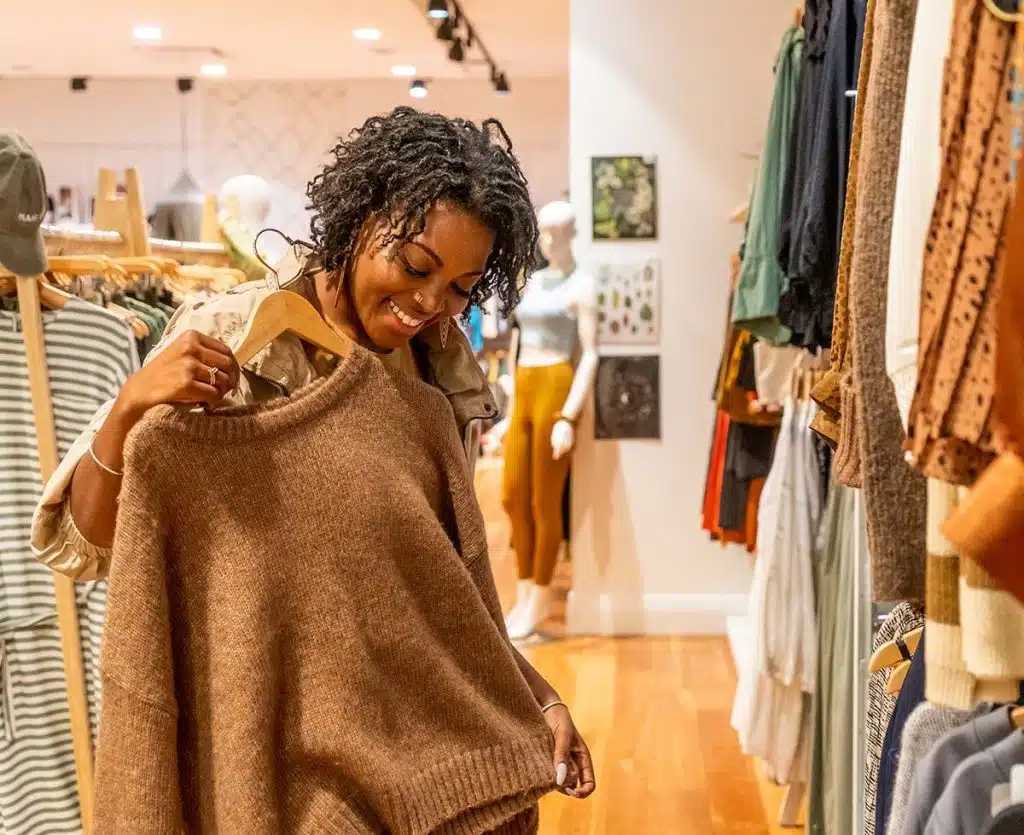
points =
(251, 195)
(557, 222)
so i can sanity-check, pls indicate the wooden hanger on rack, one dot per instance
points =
(136, 265)
(284, 310)
(889, 654)
(52, 297)
(87, 265)
(897, 677)
(896, 653)
(1017, 718)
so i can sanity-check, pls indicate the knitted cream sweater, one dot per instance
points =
(363, 681)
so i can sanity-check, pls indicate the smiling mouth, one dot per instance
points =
(403, 317)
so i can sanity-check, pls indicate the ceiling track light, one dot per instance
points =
(437, 9)
(455, 29)
(446, 30)
(418, 89)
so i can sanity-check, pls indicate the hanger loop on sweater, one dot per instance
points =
(1006, 17)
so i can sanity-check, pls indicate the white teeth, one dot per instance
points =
(403, 317)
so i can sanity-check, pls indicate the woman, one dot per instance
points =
(416, 217)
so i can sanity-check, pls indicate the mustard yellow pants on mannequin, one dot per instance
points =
(534, 480)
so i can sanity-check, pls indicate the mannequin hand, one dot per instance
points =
(563, 437)
(572, 757)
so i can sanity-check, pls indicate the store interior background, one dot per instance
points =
(685, 81)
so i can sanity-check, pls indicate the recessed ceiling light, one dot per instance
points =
(418, 89)
(403, 70)
(366, 34)
(213, 70)
(147, 32)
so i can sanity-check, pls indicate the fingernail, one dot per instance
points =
(560, 773)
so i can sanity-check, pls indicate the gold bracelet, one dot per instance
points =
(100, 464)
(555, 703)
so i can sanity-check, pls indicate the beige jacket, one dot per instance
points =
(279, 369)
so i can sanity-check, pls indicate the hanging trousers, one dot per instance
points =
(534, 480)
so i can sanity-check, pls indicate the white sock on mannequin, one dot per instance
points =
(533, 614)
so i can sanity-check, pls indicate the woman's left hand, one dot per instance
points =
(574, 769)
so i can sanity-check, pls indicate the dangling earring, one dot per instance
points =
(445, 324)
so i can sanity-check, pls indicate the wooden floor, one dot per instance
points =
(655, 712)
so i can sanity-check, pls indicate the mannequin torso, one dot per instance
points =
(547, 318)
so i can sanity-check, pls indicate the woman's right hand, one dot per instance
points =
(193, 369)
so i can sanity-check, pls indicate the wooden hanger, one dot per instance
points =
(1017, 717)
(135, 265)
(51, 297)
(896, 653)
(284, 310)
(897, 677)
(889, 654)
(798, 16)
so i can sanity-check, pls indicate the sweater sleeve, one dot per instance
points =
(137, 786)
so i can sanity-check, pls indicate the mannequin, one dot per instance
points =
(244, 207)
(557, 319)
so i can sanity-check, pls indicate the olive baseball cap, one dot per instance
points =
(22, 206)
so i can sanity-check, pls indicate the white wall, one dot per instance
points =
(278, 130)
(689, 82)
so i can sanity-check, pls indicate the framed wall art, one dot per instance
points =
(629, 303)
(625, 199)
(627, 398)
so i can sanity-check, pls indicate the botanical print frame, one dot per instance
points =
(624, 192)
(629, 303)
(627, 398)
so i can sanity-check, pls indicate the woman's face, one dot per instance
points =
(395, 294)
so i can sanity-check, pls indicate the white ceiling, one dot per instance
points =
(273, 39)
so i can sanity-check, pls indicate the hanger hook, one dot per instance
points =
(256, 251)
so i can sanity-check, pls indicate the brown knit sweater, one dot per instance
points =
(362, 682)
(894, 494)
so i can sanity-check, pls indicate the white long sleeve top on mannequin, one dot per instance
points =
(916, 187)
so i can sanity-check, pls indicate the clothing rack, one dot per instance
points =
(120, 231)
(64, 587)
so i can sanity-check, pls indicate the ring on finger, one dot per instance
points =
(213, 377)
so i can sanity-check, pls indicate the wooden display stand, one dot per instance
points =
(121, 230)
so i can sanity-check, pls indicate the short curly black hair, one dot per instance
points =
(401, 165)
